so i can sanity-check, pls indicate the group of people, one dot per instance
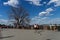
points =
(35, 26)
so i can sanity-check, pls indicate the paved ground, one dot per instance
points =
(19, 34)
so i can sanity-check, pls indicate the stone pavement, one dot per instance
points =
(21, 34)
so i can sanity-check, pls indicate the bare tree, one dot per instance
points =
(20, 16)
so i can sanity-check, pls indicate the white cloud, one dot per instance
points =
(52, 1)
(44, 2)
(3, 21)
(39, 20)
(42, 13)
(44, 20)
(35, 2)
(13, 3)
(46, 12)
(54, 21)
(57, 2)
(49, 10)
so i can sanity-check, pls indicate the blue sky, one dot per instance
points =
(41, 11)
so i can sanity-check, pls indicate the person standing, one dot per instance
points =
(35, 26)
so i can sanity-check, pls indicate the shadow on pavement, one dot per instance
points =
(6, 37)
(48, 39)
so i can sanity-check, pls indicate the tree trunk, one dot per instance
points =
(17, 26)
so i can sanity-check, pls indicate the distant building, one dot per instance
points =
(53, 27)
